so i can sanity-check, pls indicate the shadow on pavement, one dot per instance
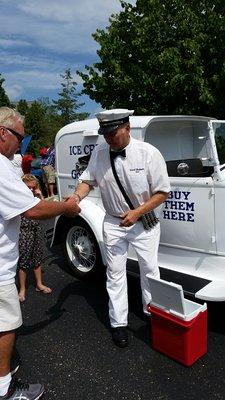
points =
(95, 296)
(30, 329)
(94, 291)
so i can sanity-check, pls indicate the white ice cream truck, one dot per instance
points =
(192, 246)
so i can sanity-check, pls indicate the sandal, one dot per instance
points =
(45, 290)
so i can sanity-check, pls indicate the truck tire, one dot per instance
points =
(81, 250)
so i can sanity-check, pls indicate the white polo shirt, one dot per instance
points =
(142, 173)
(15, 198)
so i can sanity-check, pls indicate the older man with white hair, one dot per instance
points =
(16, 200)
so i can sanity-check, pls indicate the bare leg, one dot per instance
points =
(7, 340)
(22, 283)
(51, 189)
(47, 189)
(39, 284)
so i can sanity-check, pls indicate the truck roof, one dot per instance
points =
(135, 121)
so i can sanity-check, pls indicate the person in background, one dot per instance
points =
(26, 163)
(48, 168)
(142, 172)
(31, 245)
(16, 200)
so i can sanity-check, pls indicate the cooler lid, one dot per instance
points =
(167, 295)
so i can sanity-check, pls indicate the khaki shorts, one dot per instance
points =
(10, 313)
(48, 174)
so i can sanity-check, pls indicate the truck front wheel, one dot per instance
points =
(81, 250)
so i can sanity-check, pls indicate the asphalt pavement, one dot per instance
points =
(65, 343)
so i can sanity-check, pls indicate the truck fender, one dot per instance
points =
(93, 215)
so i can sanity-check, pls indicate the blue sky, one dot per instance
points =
(41, 38)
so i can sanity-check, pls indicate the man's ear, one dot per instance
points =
(128, 127)
(2, 134)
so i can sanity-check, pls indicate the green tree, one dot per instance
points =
(67, 104)
(4, 100)
(41, 121)
(36, 125)
(162, 56)
(22, 107)
(52, 118)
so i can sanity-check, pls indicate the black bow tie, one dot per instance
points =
(114, 154)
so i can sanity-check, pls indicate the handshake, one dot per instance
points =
(72, 208)
(75, 198)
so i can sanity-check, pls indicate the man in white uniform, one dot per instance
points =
(142, 172)
(16, 199)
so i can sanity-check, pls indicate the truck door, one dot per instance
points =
(218, 131)
(187, 216)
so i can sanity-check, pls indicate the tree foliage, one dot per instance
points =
(44, 117)
(22, 107)
(4, 100)
(67, 103)
(53, 119)
(36, 125)
(162, 57)
(42, 122)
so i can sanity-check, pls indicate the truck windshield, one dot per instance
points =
(219, 129)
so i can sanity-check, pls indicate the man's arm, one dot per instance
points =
(131, 216)
(81, 192)
(49, 209)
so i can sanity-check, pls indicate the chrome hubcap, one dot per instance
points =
(81, 249)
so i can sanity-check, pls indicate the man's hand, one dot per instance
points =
(72, 208)
(80, 193)
(38, 193)
(74, 196)
(129, 218)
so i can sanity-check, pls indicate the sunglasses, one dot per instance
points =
(18, 135)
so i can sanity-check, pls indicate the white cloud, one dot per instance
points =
(40, 39)
(34, 78)
(62, 27)
(17, 84)
(70, 11)
(14, 92)
(24, 73)
(6, 43)
(26, 61)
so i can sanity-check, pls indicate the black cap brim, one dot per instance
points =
(110, 126)
(104, 130)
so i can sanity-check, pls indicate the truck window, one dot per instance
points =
(185, 146)
(192, 167)
(219, 129)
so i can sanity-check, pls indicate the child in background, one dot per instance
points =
(31, 245)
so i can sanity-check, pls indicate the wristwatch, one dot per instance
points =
(78, 196)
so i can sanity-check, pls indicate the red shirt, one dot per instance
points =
(26, 163)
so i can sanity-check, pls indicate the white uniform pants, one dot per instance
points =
(117, 240)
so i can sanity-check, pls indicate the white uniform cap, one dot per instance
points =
(110, 120)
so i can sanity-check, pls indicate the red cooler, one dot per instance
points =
(178, 326)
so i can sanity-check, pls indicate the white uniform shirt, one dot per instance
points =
(15, 198)
(142, 173)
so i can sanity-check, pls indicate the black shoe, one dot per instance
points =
(120, 336)
(25, 391)
(146, 317)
